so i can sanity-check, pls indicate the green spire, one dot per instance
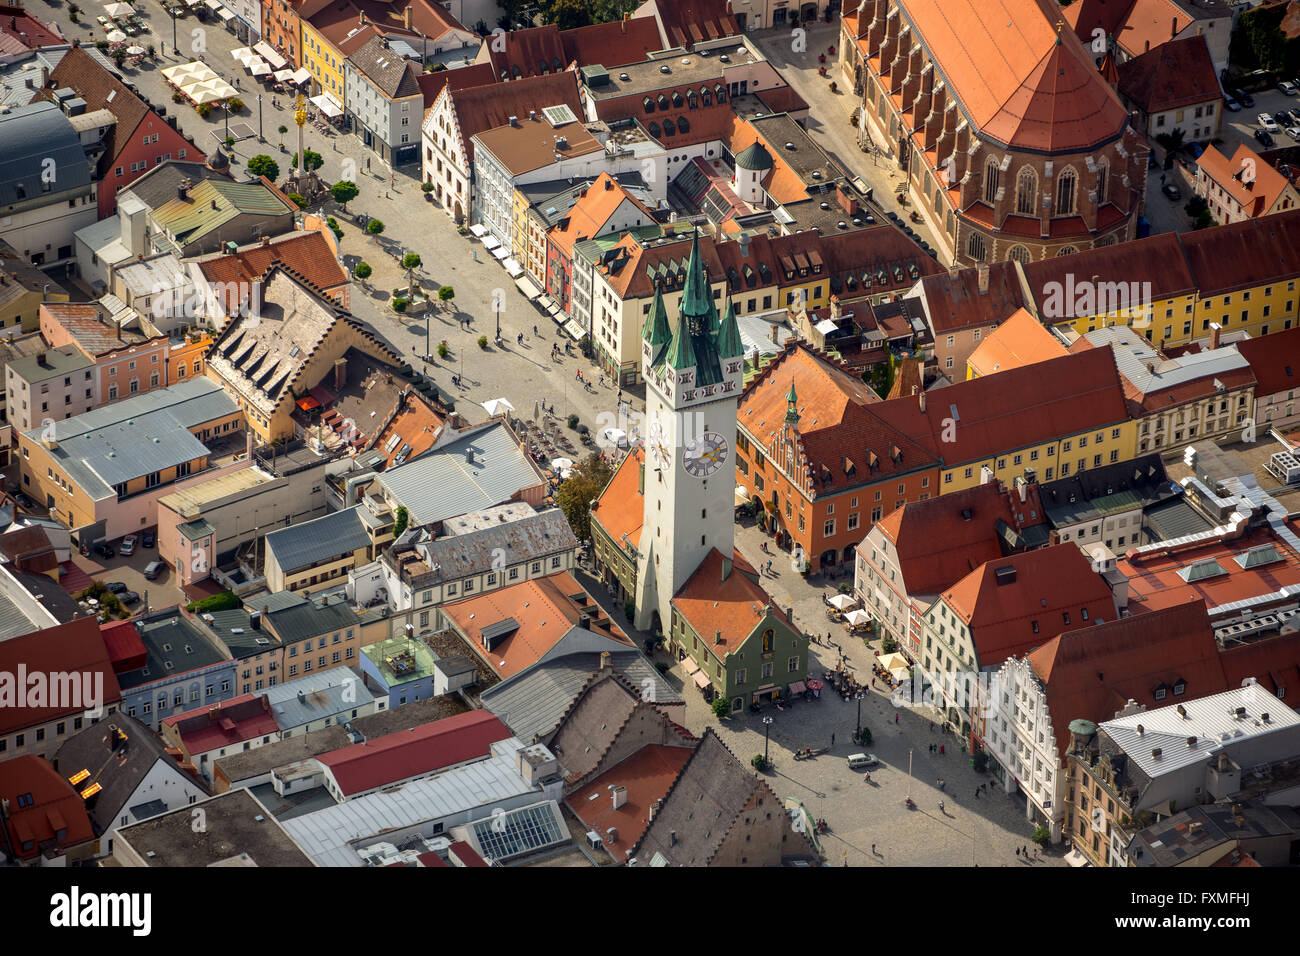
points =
(697, 301)
(792, 405)
(681, 350)
(729, 344)
(656, 330)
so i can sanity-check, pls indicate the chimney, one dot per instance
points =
(42, 361)
(406, 17)
(183, 190)
(726, 568)
(324, 600)
(984, 278)
(1173, 28)
(836, 311)
(255, 620)
(606, 660)
(1147, 48)
(717, 637)
(1215, 332)
(609, 183)
(584, 621)
(214, 205)
(954, 270)
(619, 795)
(255, 297)
(514, 121)
(532, 116)
(920, 397)
(340, 372)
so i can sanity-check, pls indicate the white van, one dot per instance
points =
(862, 761)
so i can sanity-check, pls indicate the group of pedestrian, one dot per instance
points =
(979, 790)
(1024, 851)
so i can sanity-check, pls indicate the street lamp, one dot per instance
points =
(767, 727)
(858, 697)
(496, 307)
(260, 138)
(225, 106)
(176, 50)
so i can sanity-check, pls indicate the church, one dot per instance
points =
(674, 556)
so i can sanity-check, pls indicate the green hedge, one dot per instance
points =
(225, 601)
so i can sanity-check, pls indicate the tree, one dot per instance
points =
(1041, 835)
(399, 525)
(264, 165)
(362, 271)
(576, 493)
(446, 294)
(567, 14)
(343, 192)
(888, 645)
(374, 227)
(235, 105)
(299, 200)
(1195, 206)
(410, 262)
(721, 707)
(759, 762)
(311, 160)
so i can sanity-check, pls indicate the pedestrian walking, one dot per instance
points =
(941, 806)
(941, 750)
(832, 740)
(932, 726)
(535, 332)
(1026, 853)
(895, 715)
(1017, 851)
(873, 849)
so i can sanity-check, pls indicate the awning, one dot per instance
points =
(857, 617)
(501, 253)
(574, 330)
(282, 75)
(225, 14)
(798, 687)
(553, 309)
(528, 287)
(212, 4)
(328, 105)
(842, 602)
(307, 403)
(301, 76)
(478, 229)
(701, 679)
(269, 54)
(690, 666)
(513, 267)
(892, 661)
(490, 241)
(257, 66)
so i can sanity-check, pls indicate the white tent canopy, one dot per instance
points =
(119, 9)
(857, 617)
(116, 36)
(282, 75)
(243, 54)
(326, 104)
(258, 67)
(270, 55)
(188, 73)
(498, 406)
(301, 76)
(842, 602)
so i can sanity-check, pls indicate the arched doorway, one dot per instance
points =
(828, 558)
(808, 11)
(848, 554)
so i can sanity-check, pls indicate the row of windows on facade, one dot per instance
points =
(60, 730)
(143, 164)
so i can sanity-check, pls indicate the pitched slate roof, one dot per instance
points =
(456, 556)
(390, 73)
(119, 771)
(482, 108)
(30, 137)
(1275, 361)
(301, 545)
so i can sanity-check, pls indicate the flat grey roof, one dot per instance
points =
(469, 474)
(302, 545)
(234, 823)
(323, 696)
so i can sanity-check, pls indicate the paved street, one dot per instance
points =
(828, 120)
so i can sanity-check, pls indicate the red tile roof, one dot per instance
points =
(1091, 673)
(1257, 195)
(545, 610)
(1154, 581)
(461, 78)
(410, 753)
(957, 304)
(590, 215)
(1048, 584)
(49, 804)
(647, 775)
(228, 723)
(308, 254)
(1273, 662)
(731, 609)
(1149, 24)
(20, 25)
(73, 648)
(619, 510)
(416, 422)
(1014, 409)
(482, 108)
(466, 855)
(1275, 360)
(1057, 282)
(1242, 255)
(616, 43)
(1019, 341)
(1177, 73)
(125, 648)
(687, 22)
(936, 545)
(1022, 83)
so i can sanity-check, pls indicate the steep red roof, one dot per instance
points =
(419, 750)
(74, 648)
(18, 24)
(1275, 360)
(1174, 74)
(125, 648)
(940, 540)
(480, 108)
(462, 78)
(40, 805)
(1274, 662)
(1091, 673)
(1014, 409)
(228, 723)
(308, 254)
(1048, 585)
(620, 508)
(1058, 282)
(533, 51)
(646, 777)
(687, 22)
(616, 43)
(729, 609)
(1242, 255)
(954, 305)
(1257, 195)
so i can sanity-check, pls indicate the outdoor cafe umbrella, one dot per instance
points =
(116, 36)
(498, 406)
(134, 50)
(857, 617)
(118, 9)
(563, 466)
(842, 602)
(258, 67)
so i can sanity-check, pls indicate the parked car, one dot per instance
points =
(1267, 122)
(858, 761)
(1264, 138)
(116, 587)
(104, 550)
(1172, 192)
(129, 597)
(1287, 87)
(148, 539)
(1244, 98)
(1282, 118)
(1231, 105)
(153, 569)
(128, 545)
(1294, 133)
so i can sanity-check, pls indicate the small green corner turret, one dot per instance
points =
(729, 344)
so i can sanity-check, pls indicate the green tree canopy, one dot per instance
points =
(343, 192)
(264, 165)
(576, 493)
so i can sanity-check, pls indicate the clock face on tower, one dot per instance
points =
(658, 445)
(705, 455)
